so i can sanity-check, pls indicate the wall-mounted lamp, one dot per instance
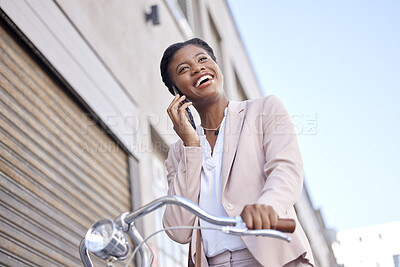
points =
(153, 15)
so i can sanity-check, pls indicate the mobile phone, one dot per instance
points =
(189, 113)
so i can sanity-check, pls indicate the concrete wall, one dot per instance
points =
(317, 234)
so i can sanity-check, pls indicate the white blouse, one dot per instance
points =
(215, 242)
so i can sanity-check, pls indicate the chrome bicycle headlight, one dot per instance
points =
(107, 241)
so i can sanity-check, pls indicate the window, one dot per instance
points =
(182, 12)
(187, 10)
(239, 88)
(168, 252)
(215, 42)
(396, 260)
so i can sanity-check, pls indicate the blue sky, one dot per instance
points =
(336, 67)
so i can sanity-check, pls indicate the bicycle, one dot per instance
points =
(106, 239)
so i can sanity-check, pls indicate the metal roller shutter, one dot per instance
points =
(59, 171)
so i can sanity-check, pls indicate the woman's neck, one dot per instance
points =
(212, 114)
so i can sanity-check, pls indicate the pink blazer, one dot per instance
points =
(261, 164)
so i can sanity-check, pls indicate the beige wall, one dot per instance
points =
(320, 238)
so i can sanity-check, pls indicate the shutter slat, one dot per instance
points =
(55, 230)
(54, 180)
(28, 65)
(64, 108)
(40, 208)
(21, 243)
(55, 134)
(76, 176)
(43, 244)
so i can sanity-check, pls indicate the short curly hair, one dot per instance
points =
(169, 55)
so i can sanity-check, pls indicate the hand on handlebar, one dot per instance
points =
(258, 216)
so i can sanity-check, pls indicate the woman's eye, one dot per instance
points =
(182, 69)
(202, 59)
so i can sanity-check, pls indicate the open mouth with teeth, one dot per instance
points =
(203, 79)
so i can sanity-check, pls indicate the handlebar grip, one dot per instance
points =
(286, 225)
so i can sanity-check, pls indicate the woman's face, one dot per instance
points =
(195, 74)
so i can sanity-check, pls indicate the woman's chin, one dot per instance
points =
(209, 97)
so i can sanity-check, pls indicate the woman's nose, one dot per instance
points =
(197, 69)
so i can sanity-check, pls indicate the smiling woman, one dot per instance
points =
(210, 164)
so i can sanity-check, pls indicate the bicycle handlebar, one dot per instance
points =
(180, 201)
(235, 226)
(284, 225)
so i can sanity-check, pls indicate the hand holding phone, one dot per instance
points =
(180, 114)
(188, 112)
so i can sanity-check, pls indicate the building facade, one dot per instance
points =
(321, 238)
(84, 128)
(375, 245)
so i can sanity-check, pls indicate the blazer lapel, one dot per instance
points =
(233, 129)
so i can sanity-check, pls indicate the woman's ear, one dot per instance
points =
(176, 91)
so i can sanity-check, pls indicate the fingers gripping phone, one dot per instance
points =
(189, 113)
